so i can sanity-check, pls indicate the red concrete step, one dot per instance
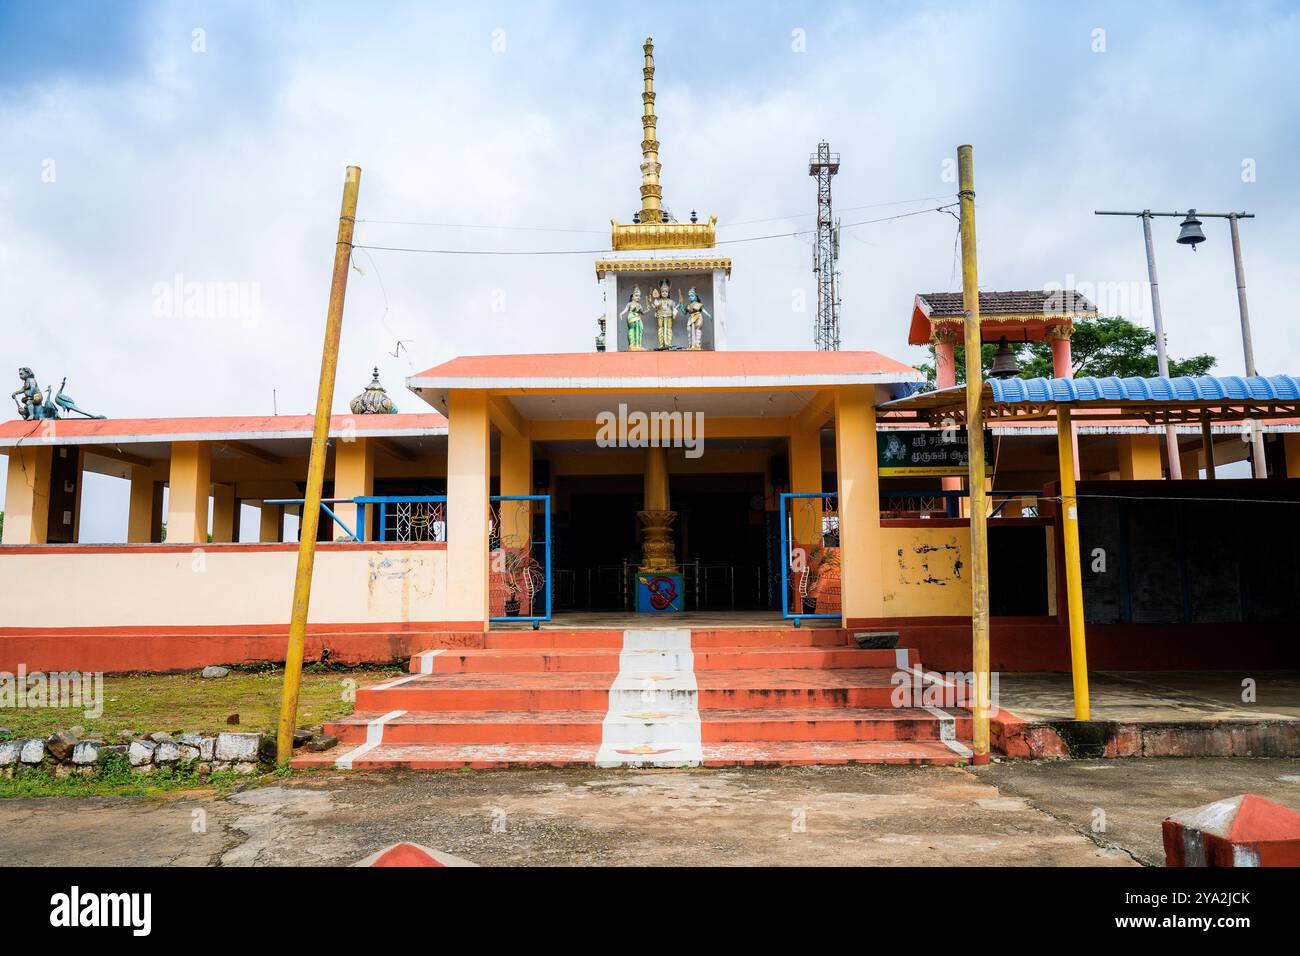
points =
(771, 754)
(717, 726)
(727, 689)
(700, 638)
(606, 660)
(476, 727)
(827, 724)
(807, 753)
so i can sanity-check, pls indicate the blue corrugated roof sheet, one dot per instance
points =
(1183, 389)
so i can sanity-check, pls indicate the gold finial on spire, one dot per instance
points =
(650, 229)
(651, 195)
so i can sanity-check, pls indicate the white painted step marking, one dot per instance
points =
(426, 667)
(374, 737)
(947, 722)
(654, 715)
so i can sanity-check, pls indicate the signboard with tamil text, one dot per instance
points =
(938, 451)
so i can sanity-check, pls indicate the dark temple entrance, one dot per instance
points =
(720, 536)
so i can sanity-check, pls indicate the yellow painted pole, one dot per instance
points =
(316, 471)
(979, 550)
(1073, 571)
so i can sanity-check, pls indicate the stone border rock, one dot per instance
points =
(67, 752)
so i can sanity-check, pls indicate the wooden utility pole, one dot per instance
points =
(316, 471)
(979, 551)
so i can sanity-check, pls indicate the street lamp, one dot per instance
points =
(1190, 234)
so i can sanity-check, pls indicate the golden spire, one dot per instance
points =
(651, 195)
(651, 230)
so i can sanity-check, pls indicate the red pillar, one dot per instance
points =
(945, 375)
(1061, 366)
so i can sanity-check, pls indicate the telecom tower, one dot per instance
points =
(826, 251)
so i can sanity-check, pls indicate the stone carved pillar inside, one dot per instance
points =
(657, 550)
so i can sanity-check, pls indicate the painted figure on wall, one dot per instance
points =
(664, 309)
(696, 313)
(635, 326)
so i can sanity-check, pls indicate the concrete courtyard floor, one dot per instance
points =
(1013, 813)
(1150, 696)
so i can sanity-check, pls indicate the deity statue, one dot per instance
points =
(695, 313)
(664, 309)
(34, 404)
(635, 327)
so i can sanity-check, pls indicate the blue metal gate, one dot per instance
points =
(519, 563)
(810, 555)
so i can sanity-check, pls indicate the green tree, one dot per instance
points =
(1101, 347)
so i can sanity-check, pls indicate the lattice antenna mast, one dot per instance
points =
(822, 165)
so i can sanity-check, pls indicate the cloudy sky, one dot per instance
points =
(146, 145)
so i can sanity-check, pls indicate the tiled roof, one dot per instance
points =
(1027, 302)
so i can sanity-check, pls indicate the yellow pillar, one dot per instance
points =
(516, 479)
(859, 503)
(1073, 571)
(656, 479)
(1139, 458)
(225, 513)
(187, 492)
(144, 519)
(805, 478)
(468, 468)
(270, 526)
(354, 477)
(1291, 446)
(27, 494)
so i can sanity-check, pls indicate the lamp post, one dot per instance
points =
(1162, 360)
(1191, 235)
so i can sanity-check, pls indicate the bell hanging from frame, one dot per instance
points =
(1191, 233)
(1004, 362)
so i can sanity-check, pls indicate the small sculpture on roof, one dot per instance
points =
(34, 404)
(374, 400)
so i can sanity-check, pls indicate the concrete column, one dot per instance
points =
(189, 483)
(144, 520)
(656, 480)
(1291, 446)
(468, 471)
(945, 376)
(1062, 364)
(1139, 457)
(27, 494)
(354, 477)
(859, 503)
(225, 513)
(805, 478)
(516, 479)
(270, 527)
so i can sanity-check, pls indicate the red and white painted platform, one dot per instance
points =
(661, 697)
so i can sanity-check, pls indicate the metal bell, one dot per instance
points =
(1004, 362)
(1191, 232)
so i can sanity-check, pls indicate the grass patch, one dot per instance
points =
(146, 703)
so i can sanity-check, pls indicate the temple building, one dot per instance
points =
(777, 529)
